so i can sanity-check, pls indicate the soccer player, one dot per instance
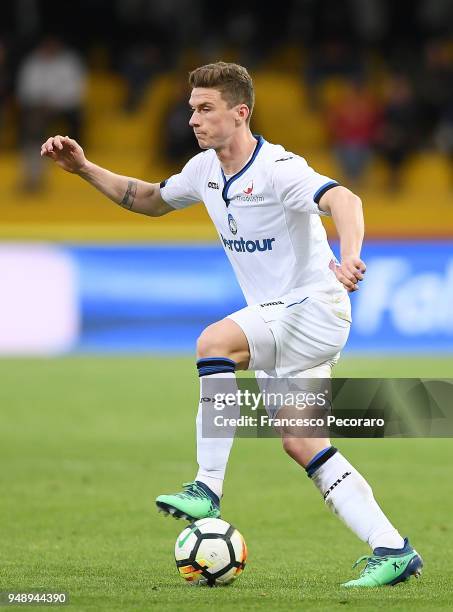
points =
(265, 203)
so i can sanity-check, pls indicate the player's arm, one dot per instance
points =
(346, 211)
(130, 193)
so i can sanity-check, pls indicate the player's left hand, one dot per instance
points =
(349, 272)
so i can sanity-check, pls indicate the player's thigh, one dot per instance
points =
(285, 338)
(308, 334)
(260, 339)
(224, 338)
(303, 400)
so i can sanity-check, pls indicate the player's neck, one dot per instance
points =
(234, 155)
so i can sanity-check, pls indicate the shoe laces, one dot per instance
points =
(372, 563)
(191, 489)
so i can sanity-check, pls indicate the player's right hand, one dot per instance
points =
(66, 153)
(349, 272)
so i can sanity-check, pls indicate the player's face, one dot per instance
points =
(212, 121)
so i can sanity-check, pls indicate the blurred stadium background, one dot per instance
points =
(365, 94)
(364, 90)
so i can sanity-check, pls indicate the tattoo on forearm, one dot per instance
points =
(129, 196)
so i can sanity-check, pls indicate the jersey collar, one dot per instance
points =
(227, 183)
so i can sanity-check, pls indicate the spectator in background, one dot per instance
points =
(435, 84)
(5, 84)
(50, 89)
(443, 138)
(177, 137)
(139, 65)
(242, 32)
(398, 134)
(353, 122)
(333, 58)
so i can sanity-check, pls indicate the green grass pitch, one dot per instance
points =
(86, 443)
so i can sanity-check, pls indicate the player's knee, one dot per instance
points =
(224, 339)
(211, 344)
(291, 446)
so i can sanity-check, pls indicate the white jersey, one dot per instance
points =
(267, 217)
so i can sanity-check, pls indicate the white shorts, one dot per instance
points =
(296, 335)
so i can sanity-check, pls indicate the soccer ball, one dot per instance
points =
(210, 552)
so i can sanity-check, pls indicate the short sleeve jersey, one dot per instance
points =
(267, 218)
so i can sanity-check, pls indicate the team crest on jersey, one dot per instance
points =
(249, 189)
(232, 224)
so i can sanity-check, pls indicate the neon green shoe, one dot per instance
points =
(388, 566)
(195, 502)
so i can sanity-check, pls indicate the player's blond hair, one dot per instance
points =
(232, 80)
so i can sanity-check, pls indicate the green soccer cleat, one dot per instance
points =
(195, 502)
(388, 566)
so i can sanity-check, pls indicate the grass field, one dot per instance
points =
(87, 443)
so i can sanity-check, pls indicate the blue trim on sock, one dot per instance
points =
(209, 492)
(313, 464)
(215, 359)
(317, 456)
(215, 365)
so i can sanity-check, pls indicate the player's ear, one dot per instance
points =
(242, 113)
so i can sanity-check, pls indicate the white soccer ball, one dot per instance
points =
(210, 552)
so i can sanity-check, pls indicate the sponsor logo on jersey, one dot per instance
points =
(249, 198)
(248, 246)
(249, 189)
(213, 185)
(271, 304)
(232, 224)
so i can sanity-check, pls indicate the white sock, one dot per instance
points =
(349, 496)
(213, 453)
